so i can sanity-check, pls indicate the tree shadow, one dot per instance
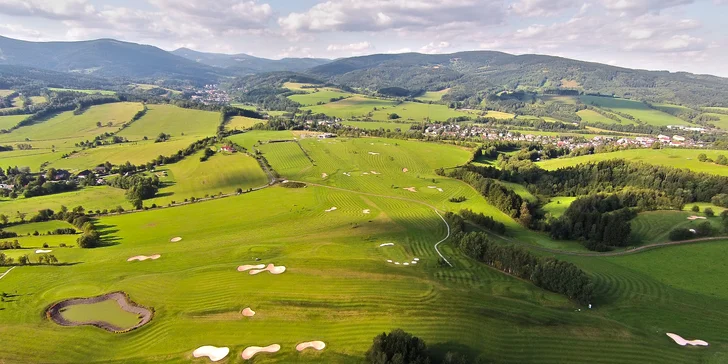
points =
(439, 351)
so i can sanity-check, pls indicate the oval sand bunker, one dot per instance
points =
(247, 312)
(251, 351)
(212, 352)
(143, 314)
(175, 239)
(318, 345)
(142, 258)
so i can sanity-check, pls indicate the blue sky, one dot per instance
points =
(675, 35)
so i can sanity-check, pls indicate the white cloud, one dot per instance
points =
(639, 7)
(532, 8)
(355, 47)
(378, 15)
(49, 9)
(434, 47)
(296, 51)
(20, 32)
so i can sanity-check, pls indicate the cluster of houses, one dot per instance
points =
(211, 95)
(572, 142)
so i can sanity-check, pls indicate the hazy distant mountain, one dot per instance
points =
(246, 64)
(472, 74)
(104, 57)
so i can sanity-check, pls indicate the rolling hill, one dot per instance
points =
(105, 58)
(247, 64)
(471, 73)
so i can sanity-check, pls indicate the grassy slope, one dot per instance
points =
(680, 158)
(91, 198)
(418, 112)
(374, 125)
(433, 96)
(352, 107)
(221, 173)
(242, 122)
(323, 96)
(7, 122)
(591, 116)
(251, 138)
(103, 92)
(174, 121)
(558, 205)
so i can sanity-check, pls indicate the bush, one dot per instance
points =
(397, 347)
(695, 208)
(709, 212)
(681, 234)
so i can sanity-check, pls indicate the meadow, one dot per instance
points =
(102, 92)
(91, 198)
(351, 107)
(637, 109)
(433, 96)
(418, 112)
(678, 158)
(242, 123)
(376, 125)
(7, 122)
(173, 120)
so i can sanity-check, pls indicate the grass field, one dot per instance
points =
(349, 108)
(558, 205)
(251, 138)
(591, 116)
(433, 96)
(520, 190)
(418, 112)
(66, 129)
(722, 123)
(375, 125)
(102, 92)
(7, 122)
(679, 158)
(221, 173)
(4, 92)
(321, 96)
(40, 227)
(91, 198)
(242, 123)
(635, 108)
(173, 120)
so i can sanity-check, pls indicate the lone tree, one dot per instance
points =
(398, 347)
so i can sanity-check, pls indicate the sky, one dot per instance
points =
(674, 35)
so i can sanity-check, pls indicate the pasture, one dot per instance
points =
(678, 158)
(7, 122)
(65, 129)
(636, 109)
(323, 96)
(591, 116)
(173, 120)
(242, 123)
(352, 107)
(91, 198)
(419, 112)
(433, 96)
(101, 92)
(376, 125)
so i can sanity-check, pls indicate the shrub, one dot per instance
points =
(696, 208)
(709, 212)
(398, 347)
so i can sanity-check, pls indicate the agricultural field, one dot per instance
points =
(91, 198)
(722, 123)
(222, 173)
(591, 116)
(433, 96)
(102, 92)
(173, 120)
(4, 92)
(315, 97)
(242, 123)
(7, 122)
(376, 125)
(418, 112)
(252, 138)
(355, 106)
(678, 158)
(637, 109)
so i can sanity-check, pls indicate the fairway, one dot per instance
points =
(678, 158)
(173, 120)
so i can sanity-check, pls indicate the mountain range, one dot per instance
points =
(469, 75)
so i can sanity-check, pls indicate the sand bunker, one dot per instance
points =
(318, 345)
(174, 240)
(691, 218)
(433, 187)
(331, 209)
(366, 211)
(212, 352)
(414, 262)
(682, 342)
(373, 153)
(374, 172)
(348, 174)
(365, 173)
(411, 189)
(54, 312)
(243, 268)
(41, 251)
(405, 170)
(389, 261)
(396, 263)
(142, 258)
(386, 244)
(270, 268)
(324, 175)
(416, 259)
(250, 351)
(439, 189)
(247, 312)
(405, 263)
